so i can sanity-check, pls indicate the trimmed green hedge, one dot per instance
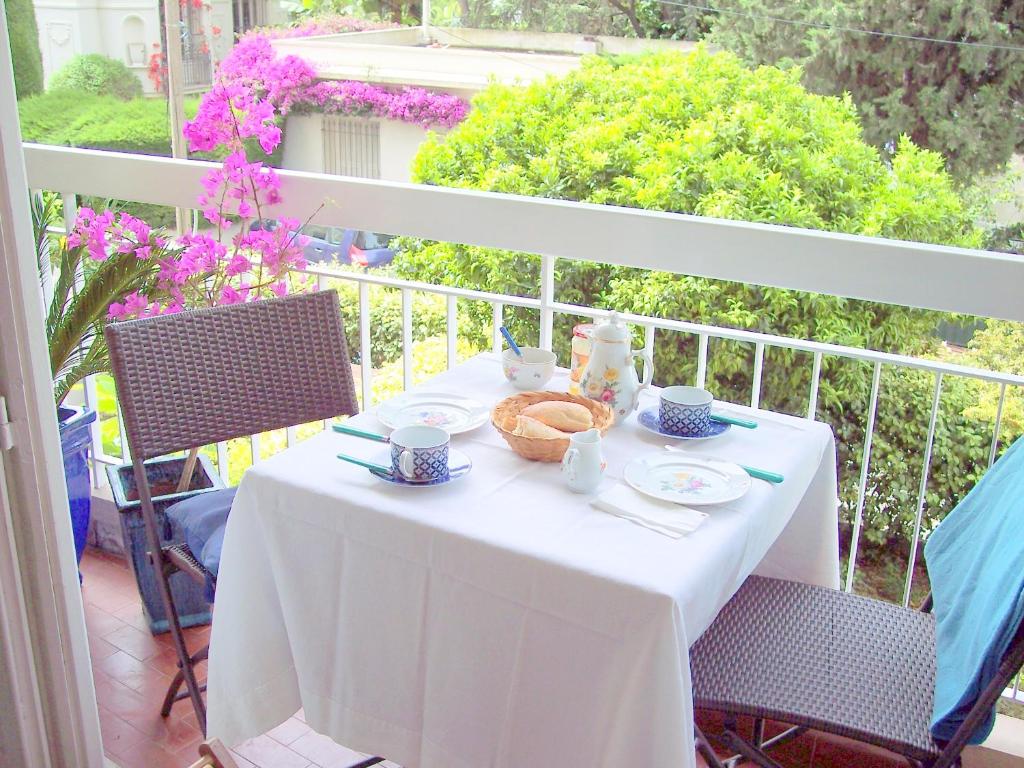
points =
(97, 74)
(73, 119)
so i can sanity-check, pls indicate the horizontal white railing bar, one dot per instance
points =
(414, 285)
(800, 345)
(958, 280)
(732, 334)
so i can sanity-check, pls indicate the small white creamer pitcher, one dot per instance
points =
(583, 465)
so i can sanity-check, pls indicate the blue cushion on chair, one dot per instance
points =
(199, 521)
(976, 567)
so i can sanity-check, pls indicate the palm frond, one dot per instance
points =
(75, 319)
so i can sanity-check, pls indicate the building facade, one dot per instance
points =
(131, 31)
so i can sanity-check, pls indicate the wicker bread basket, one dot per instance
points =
(503, 417)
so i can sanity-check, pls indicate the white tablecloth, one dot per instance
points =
(499, 620)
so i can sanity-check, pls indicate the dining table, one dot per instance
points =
(500, 620)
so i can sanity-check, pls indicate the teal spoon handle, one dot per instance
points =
(745, 423)
(367, 464)
(763, 474)
(347, 430)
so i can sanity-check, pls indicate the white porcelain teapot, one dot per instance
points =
(610, 375)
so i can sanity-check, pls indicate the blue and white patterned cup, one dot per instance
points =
(420, 453)
(685, 411)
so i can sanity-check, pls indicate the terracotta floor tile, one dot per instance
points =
(170, 732)
(289, 731)
(133, 615)
(129, 671)
(267, 753)
(98, 622)
(139, 644)
(120, 699)
(100, 649)
(119, 737)
(150, 755)
(108, 597)
(164, 661)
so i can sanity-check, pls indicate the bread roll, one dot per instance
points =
(529, 427)
(568, 417)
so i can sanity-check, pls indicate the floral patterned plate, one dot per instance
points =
(453, 413)
(687, 480)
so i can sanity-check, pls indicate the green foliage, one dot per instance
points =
(97, 74)
(965, 102)
(703, 134)
(626, 18)
(24, 35)
(429, 319)
(999, 347)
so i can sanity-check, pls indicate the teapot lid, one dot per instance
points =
(612, 329)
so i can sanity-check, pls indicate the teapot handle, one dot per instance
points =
(648, 369)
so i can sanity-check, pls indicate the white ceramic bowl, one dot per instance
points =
(532, 371)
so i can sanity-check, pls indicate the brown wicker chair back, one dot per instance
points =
(196, 378)
(215, 374)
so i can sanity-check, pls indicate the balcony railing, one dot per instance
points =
(958, 280)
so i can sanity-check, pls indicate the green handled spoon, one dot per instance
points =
(347, 430)
(367, 464)
(723, 419)
(760, 474)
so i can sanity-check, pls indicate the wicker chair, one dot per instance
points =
(201, 377)
(835, 662)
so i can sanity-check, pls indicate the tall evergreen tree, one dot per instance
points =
(965, 101)
(24, 34)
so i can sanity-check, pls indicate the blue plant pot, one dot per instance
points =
(75, 441)
(161, 474)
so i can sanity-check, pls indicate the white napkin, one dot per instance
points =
(664, 517)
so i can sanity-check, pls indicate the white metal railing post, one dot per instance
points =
(452, 329)
(925, 468)
(406, 338)
(365, 351)
(547, 299)
(649, 341)
(863, 486)
(222, 463)
(998, 425)
(702, 360)
(497, 320)
(812, 401)
(755, 389)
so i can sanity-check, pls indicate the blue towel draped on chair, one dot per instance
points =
(975, 563)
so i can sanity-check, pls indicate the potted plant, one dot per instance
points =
(113, 266)
(79, 292)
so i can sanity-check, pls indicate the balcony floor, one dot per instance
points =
(132, 670)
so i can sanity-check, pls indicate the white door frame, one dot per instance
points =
(44, 654)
